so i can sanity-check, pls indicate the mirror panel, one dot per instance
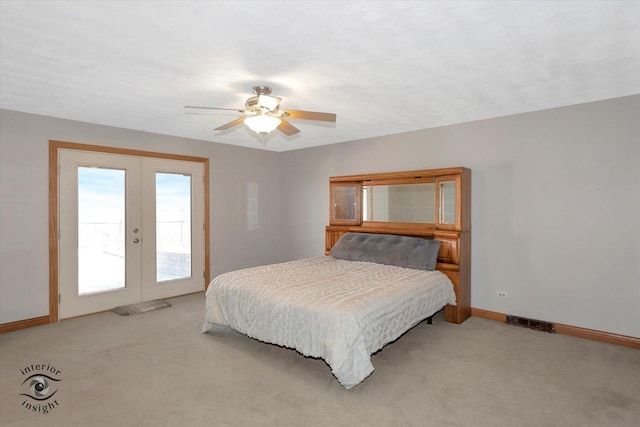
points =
(413, 203)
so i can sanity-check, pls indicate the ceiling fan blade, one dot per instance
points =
(310, 115)
(215, 108)
(287, 128)
(231, 124)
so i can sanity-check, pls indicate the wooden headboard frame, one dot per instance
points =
(454, 257)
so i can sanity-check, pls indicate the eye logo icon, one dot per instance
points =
(39, 388)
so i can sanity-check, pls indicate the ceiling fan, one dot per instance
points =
(263, 114)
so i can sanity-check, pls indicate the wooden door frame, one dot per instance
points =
(54, 147)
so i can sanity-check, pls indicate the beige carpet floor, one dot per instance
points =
(157, 369)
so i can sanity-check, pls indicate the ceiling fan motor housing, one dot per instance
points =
(262, 102)
(262, 90)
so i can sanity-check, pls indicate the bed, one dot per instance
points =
(343, 307)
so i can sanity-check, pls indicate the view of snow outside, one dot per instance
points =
(102, 228)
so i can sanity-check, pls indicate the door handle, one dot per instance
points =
(136, 240)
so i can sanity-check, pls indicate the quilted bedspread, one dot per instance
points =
(338, 310)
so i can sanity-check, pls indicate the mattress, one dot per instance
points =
(339, 310)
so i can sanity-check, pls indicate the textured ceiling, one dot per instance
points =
(382, 67)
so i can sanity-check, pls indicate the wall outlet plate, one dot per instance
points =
(502, 294)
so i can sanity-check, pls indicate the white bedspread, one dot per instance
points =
(338, 310)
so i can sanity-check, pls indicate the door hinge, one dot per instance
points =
(59, 298)
(204, 274)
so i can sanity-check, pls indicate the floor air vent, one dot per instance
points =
(538, 325)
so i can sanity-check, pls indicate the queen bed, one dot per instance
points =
(342, 307)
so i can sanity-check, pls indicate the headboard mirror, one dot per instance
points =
(414, 202)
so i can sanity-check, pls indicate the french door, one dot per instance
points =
(131, 229)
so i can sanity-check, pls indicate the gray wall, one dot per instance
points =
(555, 206)
(24, 198)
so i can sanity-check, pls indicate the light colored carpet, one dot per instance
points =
(157, 369)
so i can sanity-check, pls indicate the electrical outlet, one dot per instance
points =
(502, 294)
(215, 269)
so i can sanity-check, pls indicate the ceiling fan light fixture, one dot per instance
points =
(262, 124)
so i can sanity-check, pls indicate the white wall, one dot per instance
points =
(555, 206)
(24, 198)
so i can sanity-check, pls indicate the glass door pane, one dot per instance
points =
(101, 229)
(448, 202)
(345, 203)
(173, 226)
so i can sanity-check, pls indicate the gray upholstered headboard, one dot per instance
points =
(390, 249)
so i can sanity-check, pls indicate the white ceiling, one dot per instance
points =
(382, 67)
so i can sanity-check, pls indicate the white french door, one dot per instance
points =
(131, 229)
